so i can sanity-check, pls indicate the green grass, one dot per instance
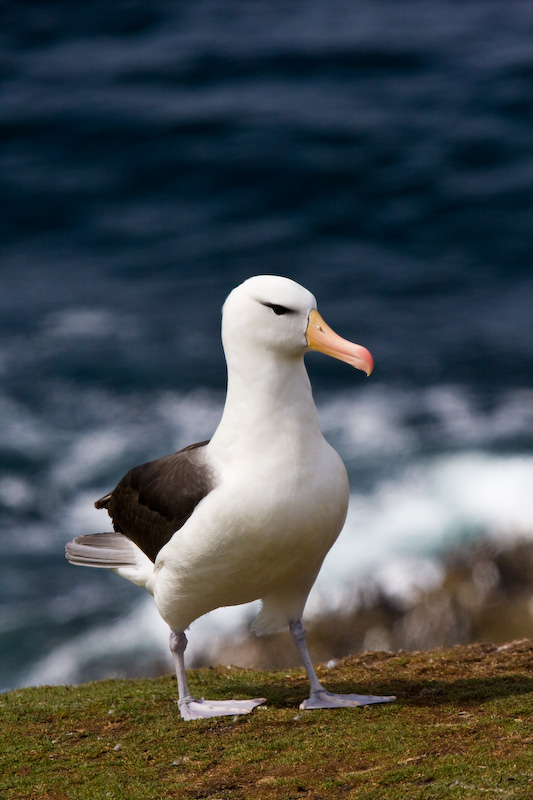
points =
(462, 727)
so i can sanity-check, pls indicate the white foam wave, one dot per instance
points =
(394, 422)
(434, 506)
(86, 455)
(87, 322)
(16, 493)
(139, 637)
(134, 643)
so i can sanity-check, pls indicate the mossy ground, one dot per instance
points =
(462, 727)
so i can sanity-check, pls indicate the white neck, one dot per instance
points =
(269, 404)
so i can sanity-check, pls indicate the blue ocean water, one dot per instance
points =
(154, 155)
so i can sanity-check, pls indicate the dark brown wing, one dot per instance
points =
(153, 500)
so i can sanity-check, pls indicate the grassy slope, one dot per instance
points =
(462, 727)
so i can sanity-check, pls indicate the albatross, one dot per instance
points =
(252, 513)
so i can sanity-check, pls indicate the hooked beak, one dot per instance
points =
(322, 338)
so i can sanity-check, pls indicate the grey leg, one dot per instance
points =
(190, 707)
(320, 697)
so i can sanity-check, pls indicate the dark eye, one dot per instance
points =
(279, 310)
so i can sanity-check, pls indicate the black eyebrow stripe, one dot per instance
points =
(277, 308)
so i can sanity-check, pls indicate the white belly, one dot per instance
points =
(251, 537)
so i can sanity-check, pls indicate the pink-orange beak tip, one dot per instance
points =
(322, 338)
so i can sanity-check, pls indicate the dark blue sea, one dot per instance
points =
(155, 154)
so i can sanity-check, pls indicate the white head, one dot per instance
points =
(273, 314)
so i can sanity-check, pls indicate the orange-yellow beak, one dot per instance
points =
(321, 337)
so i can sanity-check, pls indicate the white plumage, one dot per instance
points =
(252, 513)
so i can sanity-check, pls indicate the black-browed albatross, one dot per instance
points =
(251, 513)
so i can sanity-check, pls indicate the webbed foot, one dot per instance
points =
(325, 699)
(191, 708)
